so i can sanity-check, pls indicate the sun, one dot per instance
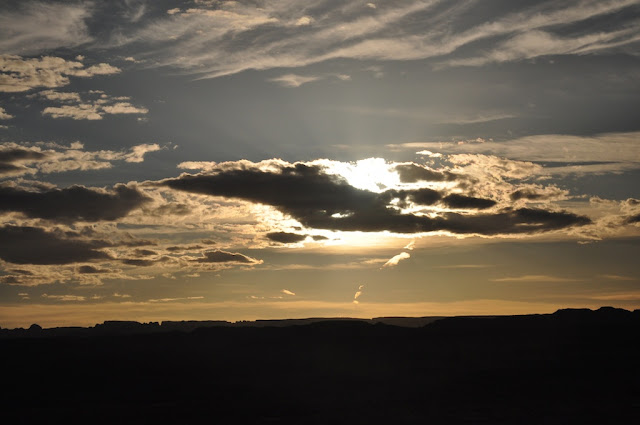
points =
(372, 174)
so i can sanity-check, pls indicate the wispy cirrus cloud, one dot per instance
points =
(535, 278)
(222, 38)
(34, 26)
(559, 153)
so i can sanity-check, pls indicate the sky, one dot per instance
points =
(242, 160)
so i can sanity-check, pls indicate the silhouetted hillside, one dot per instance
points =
(573, 366)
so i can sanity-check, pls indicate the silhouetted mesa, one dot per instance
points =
(572, 366)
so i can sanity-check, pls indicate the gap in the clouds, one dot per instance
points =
(613, 186)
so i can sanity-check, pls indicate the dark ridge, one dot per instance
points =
(572, 366)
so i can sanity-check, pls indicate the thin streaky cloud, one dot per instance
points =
(535, 278)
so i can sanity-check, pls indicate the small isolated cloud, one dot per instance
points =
(410, 245)
(304, 20)
(4, 115)
(393, 261)
(357, 294)
(64, 297)
(616, 277)
(371, 5)
(168, 300)
(535, 278)
(287, 292)
(294, 80)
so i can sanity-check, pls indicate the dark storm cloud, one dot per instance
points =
(284, 237)
(218, 256)
(34, 245)
(323, 201)
(468, 202)
(75, 203)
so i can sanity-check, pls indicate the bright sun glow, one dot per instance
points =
(372, 174)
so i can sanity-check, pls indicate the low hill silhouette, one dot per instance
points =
(572, 366)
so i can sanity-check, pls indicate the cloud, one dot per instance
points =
(64, 297)
(34, 245)
(535, 278)
(74, 203)
(616, 277)
(35, 26)
(218, 256)
(225, 38)
(561, 153)
(4, 115)
(167, 300)
(287, 292)
(304, 20)
(138, 262)
(138, 152)
(393, 261)
(318, 199)
(284, 237)
(412, 173)
(124, 108)
(537, 193)
(19, 74)
(19, 159)
(82, 111)
(458, 201)
(539, 43)
(357, 294)
(87, 269)
(294, 80)
(74, 107)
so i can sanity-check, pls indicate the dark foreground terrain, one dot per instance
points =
(573, 366)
